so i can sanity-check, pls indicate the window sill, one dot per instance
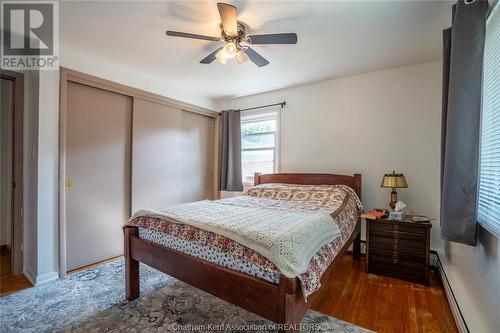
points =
(489, 229)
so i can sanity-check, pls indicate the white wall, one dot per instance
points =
(48, 177)
(474, 274)
(375, 123)
(370, 124)
(30, 174)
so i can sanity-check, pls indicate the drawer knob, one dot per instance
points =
(395, 258)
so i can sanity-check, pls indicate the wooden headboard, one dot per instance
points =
(310, 179)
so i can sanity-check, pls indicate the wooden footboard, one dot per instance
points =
(281, 303)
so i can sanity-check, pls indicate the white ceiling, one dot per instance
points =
(335, 38)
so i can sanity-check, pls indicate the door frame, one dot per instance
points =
(16, 237)
(69, 75)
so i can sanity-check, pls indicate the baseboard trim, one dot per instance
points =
(46, 277)
(30, 275)
(454, 306)
(39, 279)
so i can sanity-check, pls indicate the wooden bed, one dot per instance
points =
(281, 303)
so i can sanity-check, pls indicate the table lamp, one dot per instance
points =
(394, 180)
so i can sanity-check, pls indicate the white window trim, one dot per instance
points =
(277, 136)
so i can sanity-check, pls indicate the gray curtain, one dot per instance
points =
(230, 151)
(463, 46)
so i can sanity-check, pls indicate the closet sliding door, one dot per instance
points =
(123, 150)
(155, 155)
(197, 157)
(98, 145)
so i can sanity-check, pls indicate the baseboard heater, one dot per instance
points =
(455, 308)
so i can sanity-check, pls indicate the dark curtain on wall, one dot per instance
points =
(463, 46)
(230, 151)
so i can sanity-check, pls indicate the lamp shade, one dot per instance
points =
(394, 180)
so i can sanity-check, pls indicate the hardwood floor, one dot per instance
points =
(384, 304)
(375, 302)
(9, 283)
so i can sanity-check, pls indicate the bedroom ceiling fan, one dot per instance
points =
(236, 41)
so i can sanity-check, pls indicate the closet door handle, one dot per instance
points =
(68, 185)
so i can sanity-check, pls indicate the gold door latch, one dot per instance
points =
(68, 185)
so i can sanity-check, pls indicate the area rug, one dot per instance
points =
(93, 301)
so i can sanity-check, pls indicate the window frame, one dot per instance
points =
(494, 230)
(259, 116)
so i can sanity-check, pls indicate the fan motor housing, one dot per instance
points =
(240, 37)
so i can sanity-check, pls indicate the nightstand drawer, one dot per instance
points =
(392, 228)
(399, 233)
(398, 259)
(397, 243)
(398, 265)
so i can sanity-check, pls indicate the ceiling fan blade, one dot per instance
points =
(211, 57)
(255, 57)
(228, 16)
(287, 38)
(189, 35)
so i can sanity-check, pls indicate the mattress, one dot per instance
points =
(339, 201)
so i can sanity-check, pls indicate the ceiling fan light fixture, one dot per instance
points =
(230, 50)
(232, 34)
(241, 57)
(221, 57)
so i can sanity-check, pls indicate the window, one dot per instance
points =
(259, 138)
(489, 168)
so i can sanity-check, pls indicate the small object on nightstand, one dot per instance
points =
(398, 249)
(417, 218)
(374, 215)
(397, 216)
(397, 213)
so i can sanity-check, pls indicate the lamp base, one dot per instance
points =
(394, 198)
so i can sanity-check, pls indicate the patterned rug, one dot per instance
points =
(93, 301)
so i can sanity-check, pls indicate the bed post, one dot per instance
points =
(132, 289)
(356, 244)
(289, 319)
(356, 184)
(256, 178)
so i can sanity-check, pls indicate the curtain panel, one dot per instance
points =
(230, 151)
(463, 46)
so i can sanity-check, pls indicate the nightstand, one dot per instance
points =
(398, 249)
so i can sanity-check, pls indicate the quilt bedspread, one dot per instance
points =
(341, 202)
